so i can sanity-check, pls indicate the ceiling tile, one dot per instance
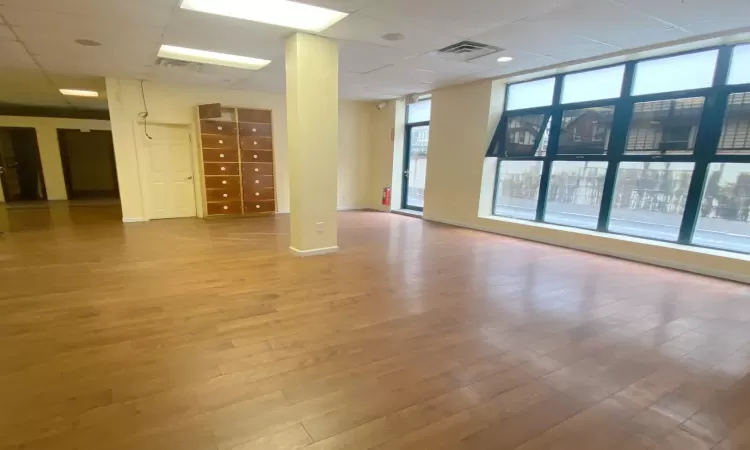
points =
(685, 12)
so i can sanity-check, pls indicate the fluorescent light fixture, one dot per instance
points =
(505, 59)
(79, 93)
(206, 57)
(284, 13)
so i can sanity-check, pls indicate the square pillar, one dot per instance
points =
(312, 122)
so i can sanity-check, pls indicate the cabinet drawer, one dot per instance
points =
(254, 195)
(224, 208)
(223, 195)
(218, 127)
(259, 156)
(230, 182)
(254, 115)
(216, 141)
(257, 182)
(255, 129)
(253, 170)
(260, 207)
(221, 169)
(219, 155)
(256, 143)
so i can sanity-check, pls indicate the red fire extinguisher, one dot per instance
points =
(387, 196)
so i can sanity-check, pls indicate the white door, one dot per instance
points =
(172, 177)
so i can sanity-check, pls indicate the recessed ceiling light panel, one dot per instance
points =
(284, 13)
(217, 59)
(505, 59)
(79, 93)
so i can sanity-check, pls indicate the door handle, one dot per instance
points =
(189, 178)
(406, 173)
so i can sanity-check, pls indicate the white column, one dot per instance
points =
(312, 109)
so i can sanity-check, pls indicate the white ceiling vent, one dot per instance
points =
(466, 51)
(170, 63)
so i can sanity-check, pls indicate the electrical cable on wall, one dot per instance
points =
(144, 114)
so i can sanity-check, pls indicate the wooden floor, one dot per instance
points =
(209, 335)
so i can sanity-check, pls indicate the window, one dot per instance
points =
(586, 131)
(530, 94)
(415, 154)
(673, 166)
(735, 132)
(723, 220)
(575, 193)
(677, 73)
(419, 112)
(739, 70)
(524, 135)
(592, 85)
(518, 189)
(649, 199)
(665, 126)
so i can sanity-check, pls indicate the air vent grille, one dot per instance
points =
(467, 50)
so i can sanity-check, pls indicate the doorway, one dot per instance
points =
(415, 154)
(88, 159)
(20, 165)
(171, 177)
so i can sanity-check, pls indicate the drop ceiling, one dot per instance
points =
(38, 53)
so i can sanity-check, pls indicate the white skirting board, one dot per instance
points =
(314, 252)
(132, 220)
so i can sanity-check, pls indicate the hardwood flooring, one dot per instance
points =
(209, 335)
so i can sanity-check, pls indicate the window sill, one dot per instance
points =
(407, 212)
(622, 238)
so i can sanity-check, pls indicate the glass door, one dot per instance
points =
(415, 154)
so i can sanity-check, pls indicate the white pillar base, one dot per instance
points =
(315, 251)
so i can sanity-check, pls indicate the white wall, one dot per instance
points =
(171, 104)
(49, 147)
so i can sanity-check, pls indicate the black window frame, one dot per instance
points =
(407, 153)
(704, 151)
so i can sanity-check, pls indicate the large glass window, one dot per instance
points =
(739, 70)
(530, 94)
(575, 193)
(518, 189)
(657, 149)
(665, 126)
(649, 199)
(586, 131)
(735, 133)
(676, 73)
(724, 219)
(592, 85)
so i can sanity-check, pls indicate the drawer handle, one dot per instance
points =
(256, 169)
(257, 181)
(221, 128)
(226, 195)
(226, 207)
(255, 156)
(254, 130)
(255, 142)
(223, 169)
(257, 194)
(224, 182)
(221, 155)
(221, 141)
(257, 206)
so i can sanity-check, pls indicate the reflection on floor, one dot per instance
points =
(60, 215)
(208, 334)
